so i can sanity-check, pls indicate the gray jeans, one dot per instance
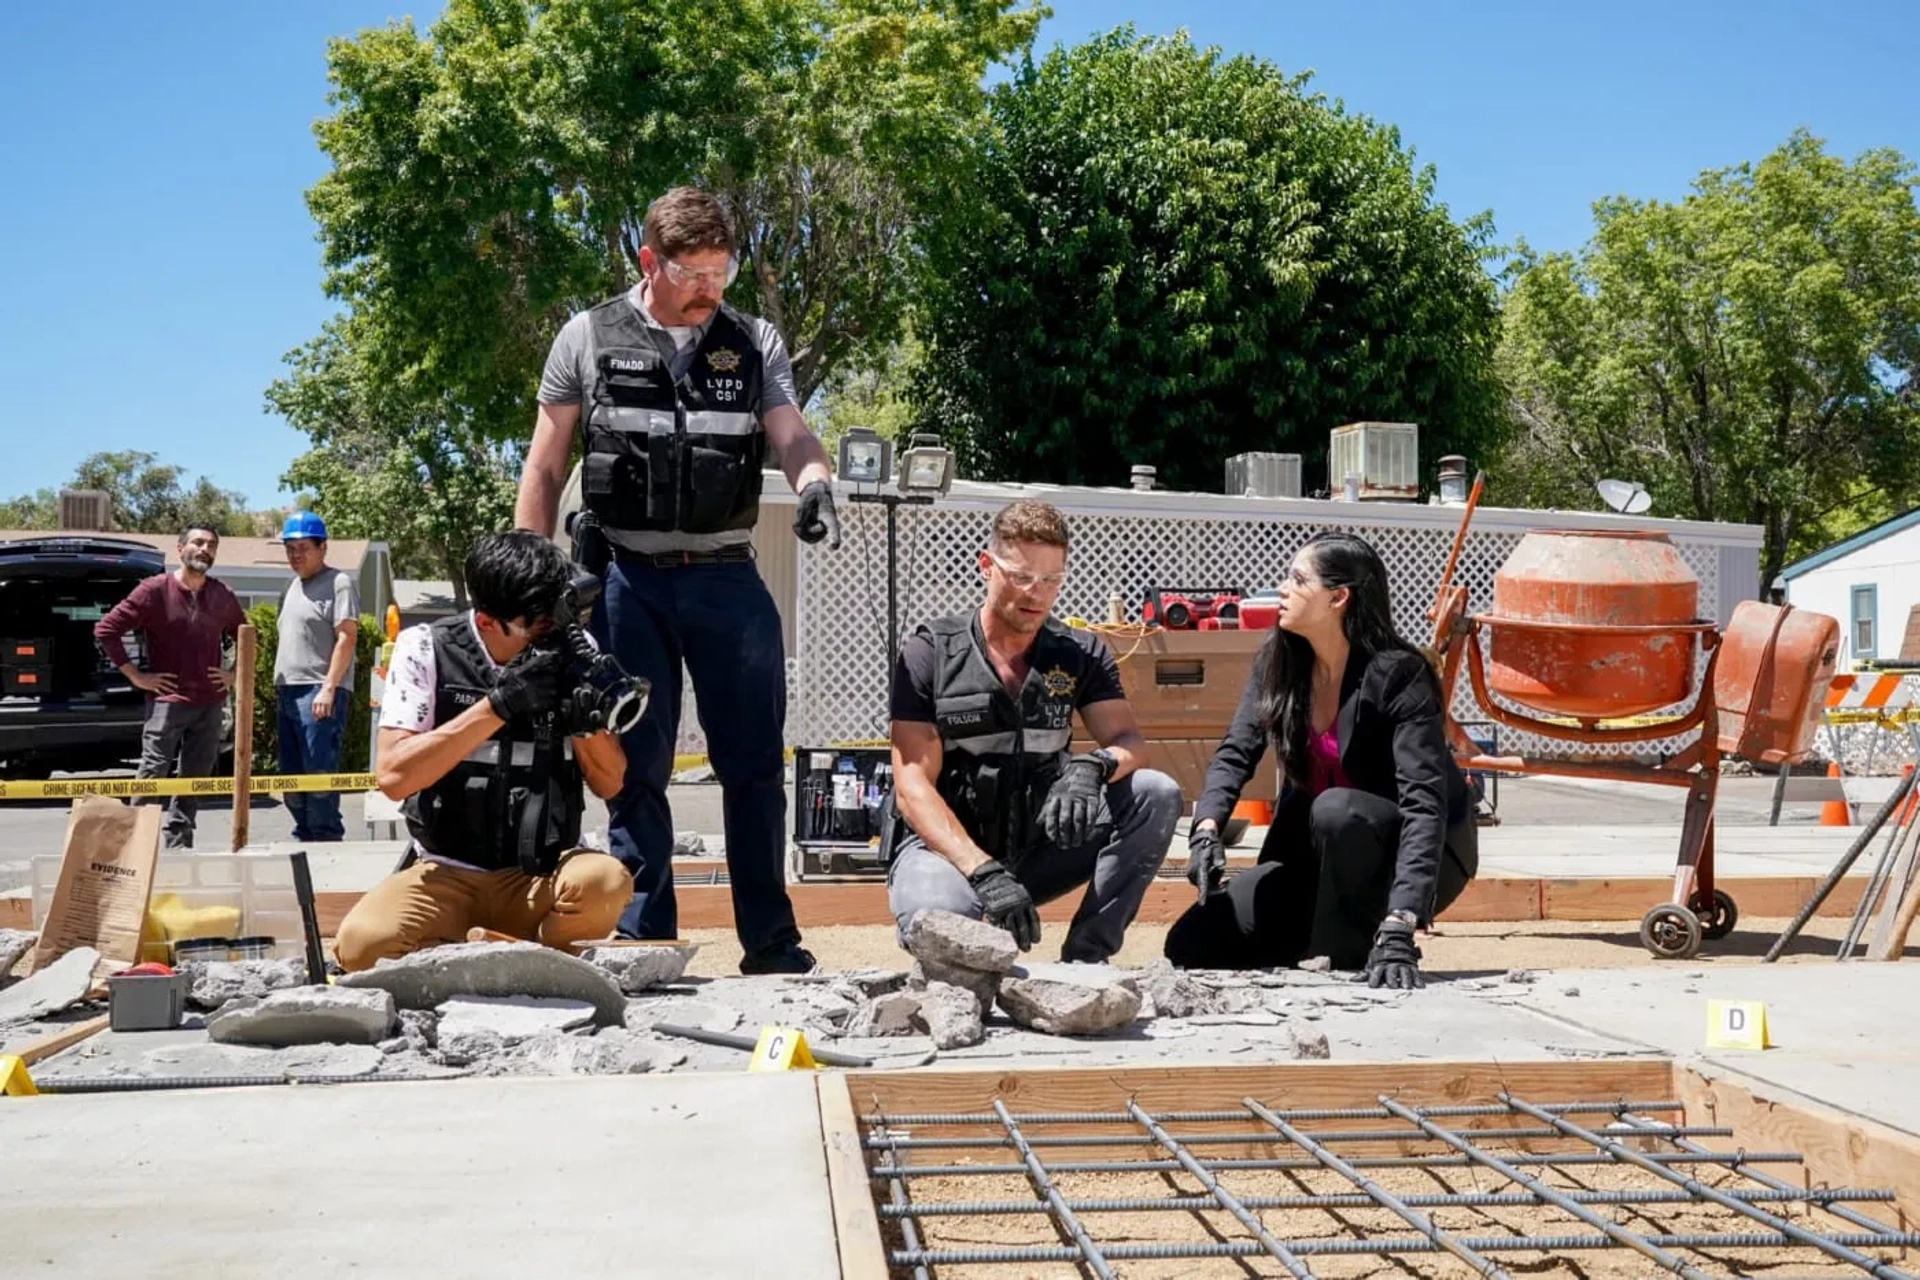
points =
(189, 737)
(1145, 804)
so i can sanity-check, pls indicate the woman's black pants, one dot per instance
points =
(1322, 896)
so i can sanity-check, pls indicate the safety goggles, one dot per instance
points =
(717, 278)
(1027, 581)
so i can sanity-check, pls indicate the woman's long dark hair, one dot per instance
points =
(1285, 666)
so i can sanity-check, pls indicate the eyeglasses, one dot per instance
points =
(1026, 581)
(713, 277)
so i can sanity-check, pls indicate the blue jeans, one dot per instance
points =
(310, 745)
(719, 620)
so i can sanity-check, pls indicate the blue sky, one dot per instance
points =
(157, 260)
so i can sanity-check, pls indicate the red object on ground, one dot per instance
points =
(150, 968)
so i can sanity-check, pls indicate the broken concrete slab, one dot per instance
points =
(60, 985)
(688, 844)
(1175, 995)
(427, 979)
(984, 986)
(218, 981)
(889, 1015)
(295, 1062)
(614, 1051)
(872, 983)
(958, 941)
(949, 1014)
(1308, 1043)
(1071, 999)
(14, 943)
(473, 1027)
(683, 1012)
(305, 1015)
(638, 969)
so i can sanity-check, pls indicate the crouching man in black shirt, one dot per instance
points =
(998, 816)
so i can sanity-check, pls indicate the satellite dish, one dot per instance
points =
(1628, 497)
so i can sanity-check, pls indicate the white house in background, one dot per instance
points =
(1871, 583)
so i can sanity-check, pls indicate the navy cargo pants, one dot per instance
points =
(720, 621)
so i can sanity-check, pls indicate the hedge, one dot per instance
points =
(354, 752)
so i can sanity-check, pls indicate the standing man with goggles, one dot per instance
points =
(677, 398)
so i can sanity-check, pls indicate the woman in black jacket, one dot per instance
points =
(1374, 831)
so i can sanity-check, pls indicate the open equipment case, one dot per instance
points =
(840, 802)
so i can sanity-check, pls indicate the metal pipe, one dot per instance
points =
(309, 917)
(1840, 869)
(1361, 1162)
(1216, 1139)
(1898, 835)
(1784, 1194)
(1418, 1221)
(909, 1230)
(143, 1084)
(1388, 1245)
(726, 1040)
(988, 1118)
(1638, 1243)
(1800, 1234)
(1221, 1195)
(1063, 1216)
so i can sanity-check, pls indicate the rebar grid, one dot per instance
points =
(892, 1166)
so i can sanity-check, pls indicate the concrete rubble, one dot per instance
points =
(640, 968)
(428, 979)
(14, 943)
(949, 1015)
(305, 1015)
(60, 985)
(689, 844)
(961, 952)
(218, 981)
(476, 1027)
(1071, 999)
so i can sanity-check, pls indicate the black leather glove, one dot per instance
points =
(528, 685)
(1007, 903)
(814, 518)
(1394, 960)
(1206, 861)
(1076, 804)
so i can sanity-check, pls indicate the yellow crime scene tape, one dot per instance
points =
(262, 784)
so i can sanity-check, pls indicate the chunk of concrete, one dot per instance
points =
(688, 844)
(1175, 995)
(889, 1015)
(638, 969)
(473, 1027)
(428, 979)
(420, 1028)
(950, 939)
(950, 1014)
(217, 981)
(305, 1015)
(206, 1059)
(873, 983)
(1070, 999)
(1308, 1043)
(58, 986)
(984, 986)
(14, 943)
(615, 1051)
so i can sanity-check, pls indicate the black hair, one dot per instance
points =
(186, 530)
(516, 574)
(1285, 665)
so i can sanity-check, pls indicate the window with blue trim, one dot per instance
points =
(1866, 610)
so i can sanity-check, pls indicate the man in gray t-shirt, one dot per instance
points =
(677, 400)
(319, 625)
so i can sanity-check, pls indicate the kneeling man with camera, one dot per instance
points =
(491, 722)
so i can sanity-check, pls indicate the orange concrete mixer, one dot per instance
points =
(1594, 640)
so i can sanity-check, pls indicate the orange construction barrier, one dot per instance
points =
(1834, 813)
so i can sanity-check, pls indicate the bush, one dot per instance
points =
(355, 753)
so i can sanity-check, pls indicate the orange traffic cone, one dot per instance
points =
(1834, 813)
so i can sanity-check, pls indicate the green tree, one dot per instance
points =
(1749, 353)
(144, 496)
(1173, 257)
(37, 510)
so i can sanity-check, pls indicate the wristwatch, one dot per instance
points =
(1405, 917)
(1108, 762)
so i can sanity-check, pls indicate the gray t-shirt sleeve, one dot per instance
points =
(562, 381)
(776, 375)
(346, 599)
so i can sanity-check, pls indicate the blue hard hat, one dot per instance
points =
(303, 524)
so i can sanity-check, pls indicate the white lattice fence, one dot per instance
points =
(839, 669)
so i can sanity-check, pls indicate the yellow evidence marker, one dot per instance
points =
(781, 1049)
(1737, 1024)
(14, 1080)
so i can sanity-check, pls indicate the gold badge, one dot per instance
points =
(1058, 683)
(724, 360)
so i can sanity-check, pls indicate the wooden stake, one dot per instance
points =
(1896, 943)
(243, 736)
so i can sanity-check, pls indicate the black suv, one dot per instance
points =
(62, 705)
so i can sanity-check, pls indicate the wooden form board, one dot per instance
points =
(856, 1227)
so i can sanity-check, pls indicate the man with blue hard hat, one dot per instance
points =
(312, 668)
(678, 401)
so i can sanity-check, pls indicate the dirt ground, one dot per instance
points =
(1453, 948)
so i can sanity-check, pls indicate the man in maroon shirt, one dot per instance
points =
(184, 616)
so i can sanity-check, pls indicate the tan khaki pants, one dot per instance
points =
(430, 903)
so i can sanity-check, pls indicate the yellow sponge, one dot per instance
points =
(171, 920)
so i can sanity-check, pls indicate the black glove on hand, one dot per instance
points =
(528, 685)
(1206, 861)
(1076, 804)
(1007, 903)
(1394, 960)
(814, 518)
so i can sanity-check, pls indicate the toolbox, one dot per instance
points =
(840, 795)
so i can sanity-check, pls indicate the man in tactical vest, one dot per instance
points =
(474, 737)
(999, 815)
(677, 400)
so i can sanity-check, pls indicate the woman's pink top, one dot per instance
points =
(1323, 763)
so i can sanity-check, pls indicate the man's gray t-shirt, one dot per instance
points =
(309, 614)
(569, 374)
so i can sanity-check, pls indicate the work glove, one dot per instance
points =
(1394, 960)
(1007, 903)
(814, 518)
(529, 685)
(1076, 804)
(1206, 861)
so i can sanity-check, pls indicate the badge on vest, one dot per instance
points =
(1059, 683)
(725, 360)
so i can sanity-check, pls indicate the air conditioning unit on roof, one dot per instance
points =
(85, 510)
(1384, 456)
(1264, 475)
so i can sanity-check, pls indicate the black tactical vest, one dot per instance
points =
(1000, 756)
(663, 455)
(516, 800)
